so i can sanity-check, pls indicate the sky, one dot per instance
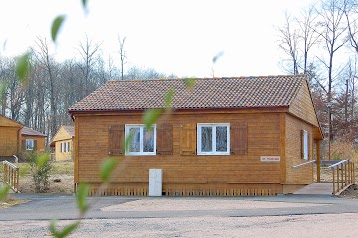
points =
(171, 36)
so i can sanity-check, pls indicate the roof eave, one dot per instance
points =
(281, 107)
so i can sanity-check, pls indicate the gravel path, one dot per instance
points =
(323, 225)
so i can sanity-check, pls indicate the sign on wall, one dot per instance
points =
(270, 158)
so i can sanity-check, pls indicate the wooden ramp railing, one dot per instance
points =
(11, 175)
(304, 164)
(343, 175)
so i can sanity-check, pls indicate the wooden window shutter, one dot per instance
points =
(35, 144)
(165, 139)
(238, 140)
(188, 139)
(115, 140)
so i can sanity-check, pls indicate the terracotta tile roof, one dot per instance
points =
(30, 132)
(235, 92)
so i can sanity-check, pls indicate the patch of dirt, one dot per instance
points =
(11, 202)
(59, 183)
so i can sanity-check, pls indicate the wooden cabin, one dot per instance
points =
(223, 136)
(10, 138)
(62, 143)
(32, 140)
(16, 139)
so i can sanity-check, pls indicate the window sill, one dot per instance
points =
(213, 153)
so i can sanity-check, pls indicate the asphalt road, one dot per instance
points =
(49, 206)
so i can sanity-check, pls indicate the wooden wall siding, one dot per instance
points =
(302, 106)
(9, 140)
(6, 122)
(302, 175)
(263, 138)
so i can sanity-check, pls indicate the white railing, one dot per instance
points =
(304, 164)
(11, 175)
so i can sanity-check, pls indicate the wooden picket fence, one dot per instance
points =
(177, 191)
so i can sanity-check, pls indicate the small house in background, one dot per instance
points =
(17, 139)
(32, 140)
(62, 143)
(234, 136)
(10, 138)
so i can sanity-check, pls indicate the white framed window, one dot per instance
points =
(305, 145)
(67, 147)
(30, 144)
(213, 139)
(142, 141)
(63, 147)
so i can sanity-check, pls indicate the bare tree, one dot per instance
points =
(351, 13)
(88, 52)
(288, 42)
(122, 54)
(45, 60)
(307, 23)
(333, 32)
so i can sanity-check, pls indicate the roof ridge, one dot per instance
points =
(208, 78)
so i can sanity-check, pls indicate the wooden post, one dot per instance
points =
(353, 174)
(349, 172)
(318, 160)
(345, 173)
(342, 179)
(334, 181)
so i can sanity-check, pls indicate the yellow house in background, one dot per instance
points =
(63, 143)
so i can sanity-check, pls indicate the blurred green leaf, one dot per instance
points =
(65, 231)
(190, 82)
(42, 160)
(4, 191)
(56, 25)
(151, 116)
(82, 194)
(217, 56)
(23, 171)
(107, 168)
(169, 98)
(23, 67)
(84, 4)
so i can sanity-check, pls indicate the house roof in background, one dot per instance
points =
(30, 132)
(207, 93)
(64, 133)
(6, 121)
(70, 130)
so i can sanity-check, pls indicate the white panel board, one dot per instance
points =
(155, 182)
